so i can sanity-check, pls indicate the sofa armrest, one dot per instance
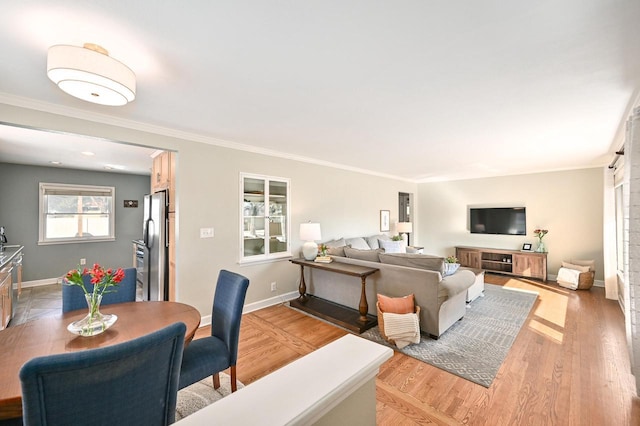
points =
(458, 282)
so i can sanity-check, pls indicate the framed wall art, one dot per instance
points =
(384, 221)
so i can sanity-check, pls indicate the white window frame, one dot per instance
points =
(267, 256)
(48, 188)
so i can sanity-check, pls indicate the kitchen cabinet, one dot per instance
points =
(6, 288)
(172, 256)
(264, 218)
(163, 176)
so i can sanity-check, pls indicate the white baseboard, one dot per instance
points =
(276, 300)
(38, 283)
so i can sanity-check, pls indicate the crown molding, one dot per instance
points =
(95, 117)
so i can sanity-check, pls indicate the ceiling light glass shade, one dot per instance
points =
(90, 74)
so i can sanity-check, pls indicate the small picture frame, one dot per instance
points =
(526, 247)
(384, 221)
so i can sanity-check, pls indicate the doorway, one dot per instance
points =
(404, 207)
(405, 213)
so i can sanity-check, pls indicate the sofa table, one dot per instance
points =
(357, 321)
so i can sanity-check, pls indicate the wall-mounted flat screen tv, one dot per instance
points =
(498, 220)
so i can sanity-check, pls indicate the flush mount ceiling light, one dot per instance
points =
(90, 74)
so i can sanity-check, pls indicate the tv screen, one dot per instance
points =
(498, 220)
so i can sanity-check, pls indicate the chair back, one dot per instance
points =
(135, 382)
(73, 296)
(228, 302)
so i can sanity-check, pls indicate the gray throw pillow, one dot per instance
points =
(393, 246)
(368, 255)
(336, 243)
(420, 261)
(372, 241)
(358, 243)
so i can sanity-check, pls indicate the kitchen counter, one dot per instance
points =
(8, 254)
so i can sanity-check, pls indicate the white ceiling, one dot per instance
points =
(423, 90)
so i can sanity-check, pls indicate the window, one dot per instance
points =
(76, 213)
(264, 217)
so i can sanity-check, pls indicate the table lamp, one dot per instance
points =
(405, 228)
(310, 232)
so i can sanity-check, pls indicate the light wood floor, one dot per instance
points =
(568, 366)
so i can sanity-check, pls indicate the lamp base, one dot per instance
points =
(309, 250)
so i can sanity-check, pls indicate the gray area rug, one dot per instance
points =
(475, 347)
(200, 394)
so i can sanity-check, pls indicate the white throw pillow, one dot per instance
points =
(393, 246)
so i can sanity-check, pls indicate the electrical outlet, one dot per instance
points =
(206, 232)
(83, 261)
(274, 286)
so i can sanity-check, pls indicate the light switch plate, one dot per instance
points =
(206, 232)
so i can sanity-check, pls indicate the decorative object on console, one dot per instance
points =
(526, 247)
(310, 232)
(322, 248)
(90, 74)
(404, 229)
(384, 220)
(103, 282)
(540, 233)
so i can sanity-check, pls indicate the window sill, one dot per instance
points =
(247, 261)
(76, 241)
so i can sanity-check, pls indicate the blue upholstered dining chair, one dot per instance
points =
(133, 383)
(210, 355)
(73, 296)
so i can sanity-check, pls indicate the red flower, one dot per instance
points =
(101, 279)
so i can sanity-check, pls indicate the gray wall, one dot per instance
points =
(19, 215)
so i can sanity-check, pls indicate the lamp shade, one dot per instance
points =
(310, 231)
(90, 74)
(404, 227)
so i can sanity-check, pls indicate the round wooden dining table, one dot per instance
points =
(49, 336)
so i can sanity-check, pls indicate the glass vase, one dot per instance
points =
(95, 322)
(541, 248)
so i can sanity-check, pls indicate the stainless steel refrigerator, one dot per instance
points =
(155, 281)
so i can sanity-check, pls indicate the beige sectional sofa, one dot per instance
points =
(442, 299)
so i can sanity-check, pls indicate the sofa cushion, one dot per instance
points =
(357, 243)
(393, 246)
(397, 305)
(372, 241)
(336, 243)
(368, 255)
(420, 261)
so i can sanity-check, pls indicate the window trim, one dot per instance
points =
(267, 257)
(44, 187)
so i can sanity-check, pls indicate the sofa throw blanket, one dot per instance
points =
(568, 278)
(404, 329)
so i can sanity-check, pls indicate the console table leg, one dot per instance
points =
(302, 288)
(364, 306)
